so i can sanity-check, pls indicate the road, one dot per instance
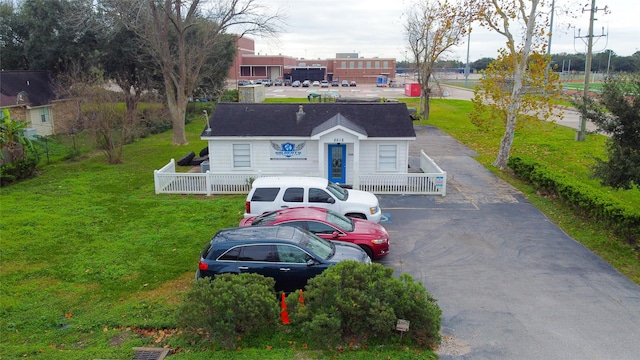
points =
(569, 118)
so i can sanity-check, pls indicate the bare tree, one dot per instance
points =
(96, 111)
(182, 34)
(522, 87)
(432, 28)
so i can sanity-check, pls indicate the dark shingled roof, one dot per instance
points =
(370, 119)
(36, 84)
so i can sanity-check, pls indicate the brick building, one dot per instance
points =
(345, 66)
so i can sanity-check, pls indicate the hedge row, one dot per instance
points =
(595, 203)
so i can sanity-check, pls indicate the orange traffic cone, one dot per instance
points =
(284, 315)
(300, 298)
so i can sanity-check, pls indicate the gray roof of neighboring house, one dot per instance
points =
(35, 86)
(284, 119)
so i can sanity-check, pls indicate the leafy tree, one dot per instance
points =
(183, 34)
(432, 28)
(524, 82)
(50, 35)
(617, 113)
(18, 158)
(482, 64)
(125, 59)
(213, 76)
(13, 142)
(12, 35)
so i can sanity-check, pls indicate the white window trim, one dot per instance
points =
(233, 159)
(378, 164)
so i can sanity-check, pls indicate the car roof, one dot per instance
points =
(299, 213)
(288, 181)
(257, 234)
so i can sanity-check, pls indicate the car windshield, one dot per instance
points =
(264, 218)
(340, 221)
(320, 247)
(337, 191)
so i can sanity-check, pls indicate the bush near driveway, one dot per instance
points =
(229, 306)
(354, 303)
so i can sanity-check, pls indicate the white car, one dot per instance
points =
(273, 193)
(316, 83)
(324, 83)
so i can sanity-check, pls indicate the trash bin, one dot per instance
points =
(204, 166)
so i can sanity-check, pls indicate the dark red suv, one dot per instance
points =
(373, 238)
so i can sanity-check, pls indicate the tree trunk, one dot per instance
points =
(505, 143)
(177, 109)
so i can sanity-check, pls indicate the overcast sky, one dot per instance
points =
(374, 28)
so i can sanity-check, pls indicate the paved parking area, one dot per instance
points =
(510, 283)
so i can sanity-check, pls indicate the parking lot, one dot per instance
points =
(510, 283)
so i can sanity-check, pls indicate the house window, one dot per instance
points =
(44, 115)
(387, 157)
(241, 155)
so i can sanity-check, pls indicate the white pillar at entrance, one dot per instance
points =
(356, 164)
(322, 167)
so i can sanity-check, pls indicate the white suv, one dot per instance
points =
(273, 193)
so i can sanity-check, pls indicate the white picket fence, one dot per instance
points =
(433, 181)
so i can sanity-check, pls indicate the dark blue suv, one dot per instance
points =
(290, 255)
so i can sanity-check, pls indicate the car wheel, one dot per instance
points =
(367, 250)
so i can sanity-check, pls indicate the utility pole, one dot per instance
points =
(581, 135)
(467, 69)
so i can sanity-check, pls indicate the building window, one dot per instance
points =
(343, 64)
(44, 115)
(351, 64)
(387, 157)
(377, 64)
(241, 155)
(385, 64)
(368, 64)
(359, 64)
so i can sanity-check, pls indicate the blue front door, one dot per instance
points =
(337, 163)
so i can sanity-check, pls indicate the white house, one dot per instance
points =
(338, 141)
(363, 145)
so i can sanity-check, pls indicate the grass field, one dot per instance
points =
(94, 263)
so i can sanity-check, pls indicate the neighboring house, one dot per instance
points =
(338, 141)
(29, 97)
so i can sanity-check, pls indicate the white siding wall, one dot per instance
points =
(369, 156)
(42, 128)
(221, 158)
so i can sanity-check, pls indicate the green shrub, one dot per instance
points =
(595, 203)
(230, 96)
(356, 303)
(229, 306)
(17, 170)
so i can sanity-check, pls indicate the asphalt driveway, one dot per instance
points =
(510, 283)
